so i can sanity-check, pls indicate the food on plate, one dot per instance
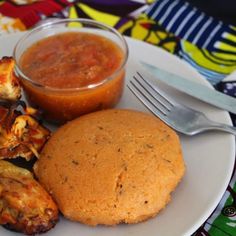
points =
(111, 166)
(73, 73)
(21, 135)
(9, 84)
(24, 205)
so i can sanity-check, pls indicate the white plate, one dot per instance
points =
(209, 158)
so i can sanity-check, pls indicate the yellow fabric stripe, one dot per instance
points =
(225, 46)
(220, 57)
(201, 60)
(233, 27)
(229, 36)
(225, 56)
(99, 16)
(73, 15)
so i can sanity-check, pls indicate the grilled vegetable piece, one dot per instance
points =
(20, 134)
(24, 204)
(9, 84)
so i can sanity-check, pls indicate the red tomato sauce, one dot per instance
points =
(71, 60)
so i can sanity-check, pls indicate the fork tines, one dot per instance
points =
(180, 117)
(148, 93)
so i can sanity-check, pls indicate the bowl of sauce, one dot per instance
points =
(71, 67)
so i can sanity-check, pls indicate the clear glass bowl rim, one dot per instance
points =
(49, 24)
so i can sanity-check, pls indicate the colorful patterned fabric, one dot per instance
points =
(207, 44)
(174, 25)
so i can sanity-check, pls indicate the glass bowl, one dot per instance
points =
(62, 103)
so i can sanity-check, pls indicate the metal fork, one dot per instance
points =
(181, 118)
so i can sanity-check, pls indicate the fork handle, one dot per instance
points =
(223, 127)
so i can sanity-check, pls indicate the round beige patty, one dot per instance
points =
(111, 166)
